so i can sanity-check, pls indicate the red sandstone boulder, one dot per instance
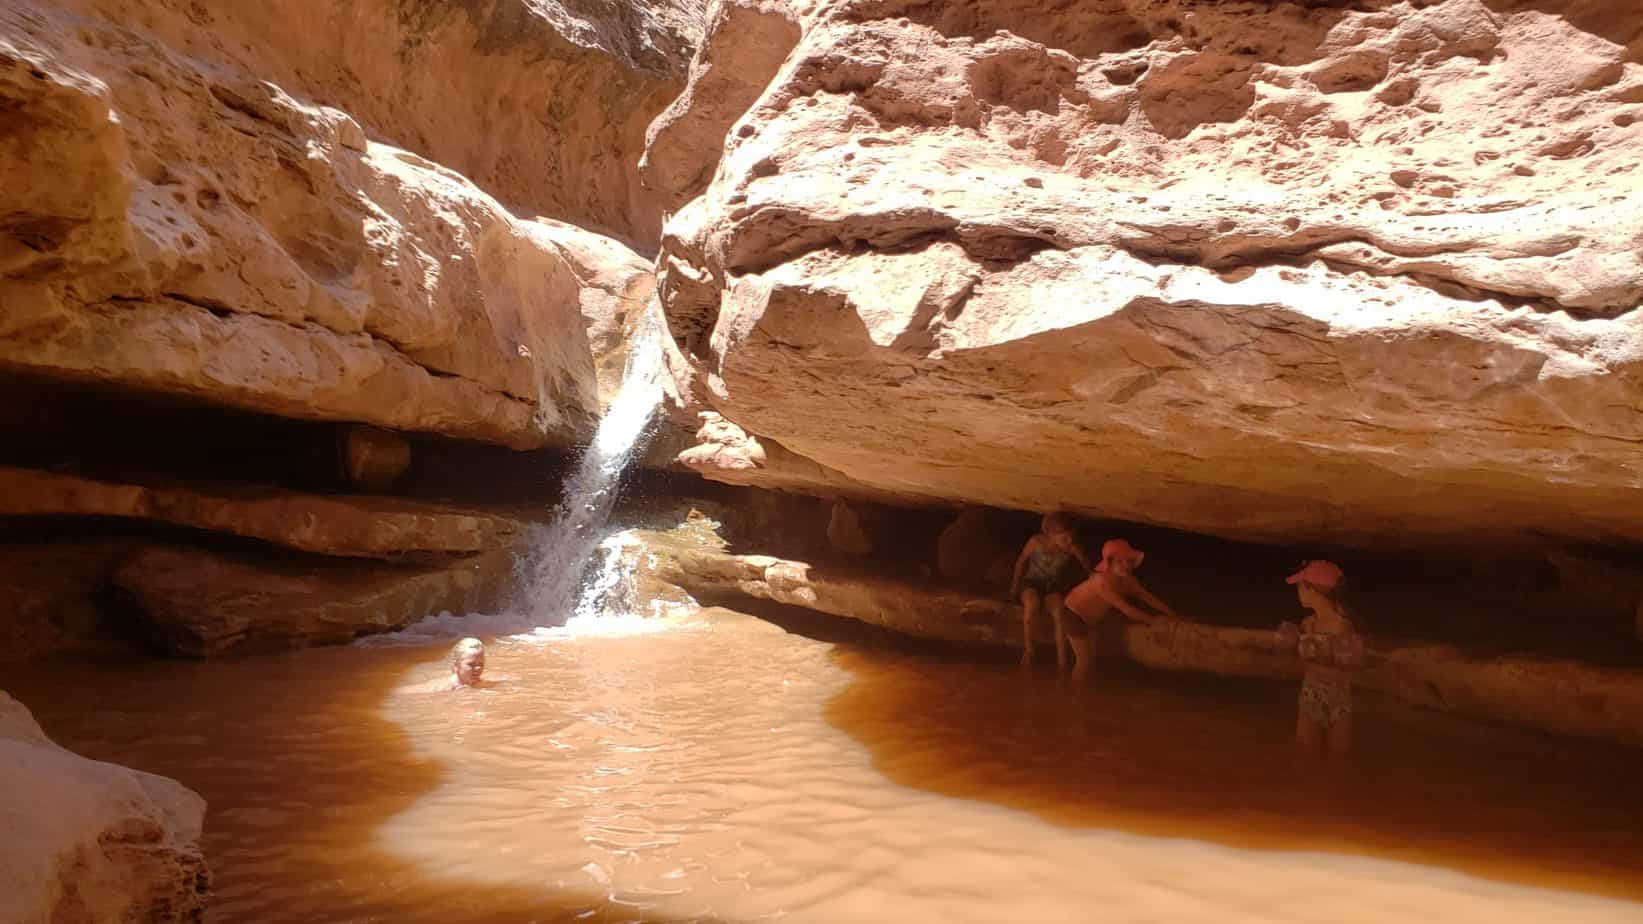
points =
(87, 842)
(373, 459)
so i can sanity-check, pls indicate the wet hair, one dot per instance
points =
(464, 647)
(1057, 521)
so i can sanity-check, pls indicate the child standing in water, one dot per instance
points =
(1112, 586)
(1044, 572)
(1330, 648)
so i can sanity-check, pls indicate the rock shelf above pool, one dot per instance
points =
(205, 570)
(198, 603)
(339, 525)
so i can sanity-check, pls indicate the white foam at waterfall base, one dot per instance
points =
(554, 599)
(604, 608)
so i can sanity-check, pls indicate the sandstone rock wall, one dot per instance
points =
(177, 225)
(542, 103)
(52, 596)
(1360, 272)
(209, 570)
(87, 842)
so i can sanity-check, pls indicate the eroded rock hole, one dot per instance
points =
(1194, 90)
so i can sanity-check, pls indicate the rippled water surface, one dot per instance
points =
(723, 769)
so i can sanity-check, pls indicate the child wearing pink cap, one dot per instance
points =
(1330, 648)
(1113, 585)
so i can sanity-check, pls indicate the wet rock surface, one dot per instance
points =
(93, 565)
(1361, 273)
(87, 842)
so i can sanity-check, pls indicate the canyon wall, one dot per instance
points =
(1319, 271)
(349, 241)
(542, 103)
(1362, 272)
(172, 224)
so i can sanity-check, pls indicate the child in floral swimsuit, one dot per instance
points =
(1330, 648)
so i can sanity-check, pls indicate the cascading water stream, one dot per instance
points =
(558, 552)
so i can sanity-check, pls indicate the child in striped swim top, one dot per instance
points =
(1050, 564)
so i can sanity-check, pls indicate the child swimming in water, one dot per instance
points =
(1112, 586)
(1331, 648)
(467, 664)
(1044, 572)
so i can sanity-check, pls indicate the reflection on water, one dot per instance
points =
(1209, 759)
(726, 770)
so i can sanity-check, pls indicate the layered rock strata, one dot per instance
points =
(52, 596)
(1364, 273)
(257, 569)
(202, 604)
(345, 526)
(87, 842)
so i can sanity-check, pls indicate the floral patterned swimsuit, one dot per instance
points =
(1326, 687)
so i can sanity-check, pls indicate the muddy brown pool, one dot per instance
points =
(721, 768)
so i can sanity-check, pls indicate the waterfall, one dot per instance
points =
(558, 551)
(550, 572)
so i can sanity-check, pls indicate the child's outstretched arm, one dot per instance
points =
(1154, 602)
(1117, 600)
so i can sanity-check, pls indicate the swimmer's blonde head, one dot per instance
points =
(464, 647)
(467, 661)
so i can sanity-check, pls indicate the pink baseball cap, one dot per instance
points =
(1120, 550)
(1318, 573)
